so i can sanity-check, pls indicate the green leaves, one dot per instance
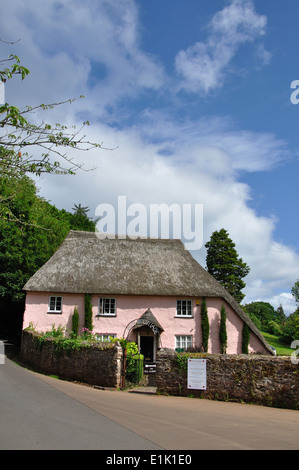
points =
(224, 264)
(31, 229)
(205, 327)
(222, 330)
(7, 73)
(51, 139)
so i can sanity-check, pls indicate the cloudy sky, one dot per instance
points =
(195, 99)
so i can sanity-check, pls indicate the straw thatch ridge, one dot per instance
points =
(88, 263)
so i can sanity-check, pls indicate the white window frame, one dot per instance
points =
(55, 310)
(103, 301)
(183, 341)
(105, 337)
(187, 308)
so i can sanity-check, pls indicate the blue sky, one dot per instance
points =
(195, 98)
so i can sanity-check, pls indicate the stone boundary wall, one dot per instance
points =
(96, 365)
(262, 380)
(256, 379)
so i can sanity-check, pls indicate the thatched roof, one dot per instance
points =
(87, 263)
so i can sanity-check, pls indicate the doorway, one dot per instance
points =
(147, 348)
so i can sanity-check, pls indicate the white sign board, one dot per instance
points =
(197, 374)
(2, 93)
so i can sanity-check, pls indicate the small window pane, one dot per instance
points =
(184, 308)
(58, 303)
(183, 342)
(107, 306)
(55, 303)
(105, 337)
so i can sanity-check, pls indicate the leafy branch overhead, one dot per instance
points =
(19, 136)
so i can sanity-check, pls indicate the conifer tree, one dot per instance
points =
(245, 338)
(224, 264)
(222, 330)
(88, 313)
(205, 327)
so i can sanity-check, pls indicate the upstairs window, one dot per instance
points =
(184, 308)
(107, 306)
(55, 304)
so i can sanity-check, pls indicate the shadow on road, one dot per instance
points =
(11, 349)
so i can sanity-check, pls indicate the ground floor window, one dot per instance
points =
(55, 304)
(105, 337)
(183, 342)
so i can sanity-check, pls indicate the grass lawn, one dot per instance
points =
(281, 349)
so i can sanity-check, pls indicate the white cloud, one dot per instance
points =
(286, 300)
(189, 174)
(248, 151)
(65, 44)
(205, 65)
(158, 159)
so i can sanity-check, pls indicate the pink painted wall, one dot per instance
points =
(36, 311)
(130, 308)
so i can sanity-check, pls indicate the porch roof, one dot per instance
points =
(148, 319)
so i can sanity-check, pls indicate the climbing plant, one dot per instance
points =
(88, 313)
(245, 338)
(222, 330)
(75, 323)
(205, 327)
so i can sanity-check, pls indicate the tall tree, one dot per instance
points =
(295, 291)
(224, 264)
(263, 311)
(280, 315)
(80, 210)
(80, 219)
(31, 229)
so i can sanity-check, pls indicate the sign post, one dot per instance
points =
(197, 374)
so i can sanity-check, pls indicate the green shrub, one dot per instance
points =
(88, 313)
(273, 328)
(55, 332)
(245, 338)
(205, 327)
(136, 368)
(75, 323)
(132, 350)
(222, 330)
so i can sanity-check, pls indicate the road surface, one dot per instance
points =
(34, 415)
(40, 412)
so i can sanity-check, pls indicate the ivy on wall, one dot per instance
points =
(245, 338)
(205, 327)
(222, 330)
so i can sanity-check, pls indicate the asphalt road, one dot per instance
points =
(40, 412)
(34, 415)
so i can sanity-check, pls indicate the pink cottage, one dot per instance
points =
(145, 290)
